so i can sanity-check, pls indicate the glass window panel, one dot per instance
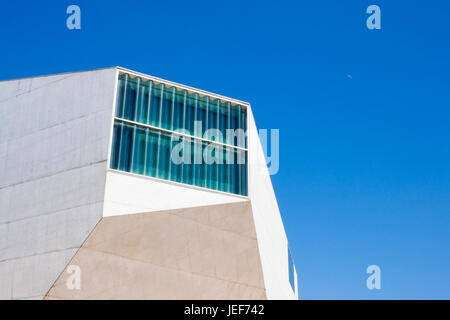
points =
(166, 109)
(236, 176)
(176, 165)
(223, 120)
(155, 104)
(240, 135)
(238, 109)
(213, 120)
(142, 102)
(244, 125)
(191, 102)
(121, 94)
(151, 153)
(199, 163)
(230, 169)
(202, 116)
(164, 155)
(130, 99)
(138, 162)
(229, 136)
(243, 173)
(116, 145)
(212, 114)
(188, 166)
(125, 147)
(222, 172)
(214, 153)
(234, 125)
(178, 110)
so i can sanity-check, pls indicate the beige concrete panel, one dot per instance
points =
(229, 217)
(206, 252)
(114, 277)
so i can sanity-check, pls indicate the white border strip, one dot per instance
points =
(180, 184)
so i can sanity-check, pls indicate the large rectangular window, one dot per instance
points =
(170, 133)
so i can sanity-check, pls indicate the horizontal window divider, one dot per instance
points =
(179, 133)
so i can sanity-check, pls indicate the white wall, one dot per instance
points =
(270, 231)
(54, 137)
(128, 193)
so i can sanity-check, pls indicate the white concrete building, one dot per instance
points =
(88, 178)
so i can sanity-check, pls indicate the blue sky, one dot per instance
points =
(364, 165)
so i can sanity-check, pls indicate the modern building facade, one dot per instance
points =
(151, 189)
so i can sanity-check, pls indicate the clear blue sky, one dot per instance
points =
(365, 160)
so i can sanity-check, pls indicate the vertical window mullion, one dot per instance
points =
(206, 166)
(239, 116)
(141, 104)
(244, 120)
(125, 85)
(194, 145)
(159, 132)
(229, 150)
(133, 138)
(133, 117)
(125, 144)
(218, 165)
(184, 128)
(116, 146)
(136, 102)
(171, 135)
(207, 115)
(147, 133)
(239, 152)
(120, 145)
(246, 174)
(150, 89)
(239, 142)
(173, 109)
(161, 106)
